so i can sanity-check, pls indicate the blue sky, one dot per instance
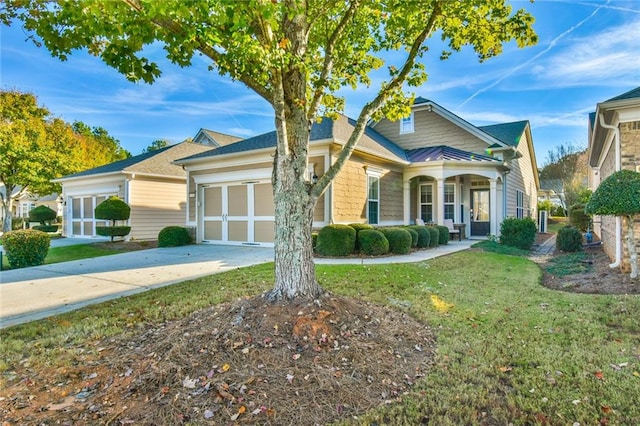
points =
(588, 52)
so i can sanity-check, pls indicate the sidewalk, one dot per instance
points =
(38, 292)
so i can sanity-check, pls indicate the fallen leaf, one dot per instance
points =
(189, 383)
(290, 378)
(599, 375)
(242, 409)
(605, 409)
(224, 368)
(504, 369)
(68, 402)
(296, 356)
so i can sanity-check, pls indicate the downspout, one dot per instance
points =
(616, 142)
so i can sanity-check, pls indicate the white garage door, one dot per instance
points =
(237, 213)
(83, 223)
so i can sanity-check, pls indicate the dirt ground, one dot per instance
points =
(598, 279)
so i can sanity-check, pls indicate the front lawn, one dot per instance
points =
(68, 253)
(508, 349)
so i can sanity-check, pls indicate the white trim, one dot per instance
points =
(237, 176)
(407, 124)
(111, 190)
(375, 175)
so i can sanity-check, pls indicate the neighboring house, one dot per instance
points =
(432, 165)
(614, 144)
(150, 183)
(214, 139)
(25, 202)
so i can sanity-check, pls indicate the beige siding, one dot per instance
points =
(318, 213)
(391, 196)
(431, 130)
(154, 205)
(522, 179)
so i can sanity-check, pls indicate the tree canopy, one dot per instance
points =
(36, 147)
(156, 145)
(565, 172)
(295, 54)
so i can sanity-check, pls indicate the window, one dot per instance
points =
(373, 199)
(406, 124)
(449, 201)
(426, 202)
(519, 204)
(25, 208)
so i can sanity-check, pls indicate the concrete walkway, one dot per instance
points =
(38, 292)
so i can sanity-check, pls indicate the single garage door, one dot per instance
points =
(237, 213)
(83, 223)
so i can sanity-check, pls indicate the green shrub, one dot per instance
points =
(569, 239)
(414, 236)
(373, 242)
(314, 240)
(16, 223)
(113, 231)
(46, 228)
(25, 247)
(557, 211)
(443, 236)
(336, 240)
(520, 233)
(173, 236)
(578, 218)
(113, 209)
(434, 236)
(43, 215)
(424, 237)
(399, 240)
(359, 227)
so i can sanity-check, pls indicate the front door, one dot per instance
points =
(480, 214)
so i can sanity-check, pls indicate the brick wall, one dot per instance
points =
(630, 158)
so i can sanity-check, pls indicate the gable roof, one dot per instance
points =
(158, 162)
(507, 133)
(445, 153)
(631, 94)
(213, 138)
(324, 130)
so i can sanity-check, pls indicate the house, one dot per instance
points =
(614, 144)
(150, 183)
(24, 202)
(433, 165)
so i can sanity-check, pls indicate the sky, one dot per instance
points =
(588, 51)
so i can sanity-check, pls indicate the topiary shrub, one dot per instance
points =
(359, 227)
(434, 236)
(399, 240)
(113, 209)
(578, 217)
(424, 237)
(113, 231)
(520, 233)
(314, 240)
(414, 236)
(443, 235)
(46, 228)
(569, 239)
(26, 247)
(336, 240)
(373, 242)
(43, 215)
(173, 236)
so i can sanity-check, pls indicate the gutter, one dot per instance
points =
(616, 141)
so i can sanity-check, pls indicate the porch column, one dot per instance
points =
(493, 207)
(406, 201)
(440, 201)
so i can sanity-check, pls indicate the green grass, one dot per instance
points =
(555, 223)
(68, 253)
(496, 247)
(509, 350)
(567, 264)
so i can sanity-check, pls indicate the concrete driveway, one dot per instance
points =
(38, 292)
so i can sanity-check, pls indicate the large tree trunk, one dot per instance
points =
(631, 246)
(7, 205)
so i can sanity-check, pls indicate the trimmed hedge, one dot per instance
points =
(336, 240)
(46, 228)
(520, 233)
(424, 237)
(113, 208)
(25, 247)
(373, 242)
(399, 240)
(43, 215)
(578, 218)
(434, 235)
(569, 239)
(359, 227)
(414, 236)
(173, 236)
(443, 236)
(113, 231)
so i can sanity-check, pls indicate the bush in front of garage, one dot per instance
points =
(399, 240)
(336, 240)
(174, 236)
(434, 235)
(443, 235)
(423, 235)
(113, 209)
(519, 233)
(373, 242)
(26, 247)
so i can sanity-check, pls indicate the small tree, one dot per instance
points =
(113, 209)
(44, 215)
(619, 195)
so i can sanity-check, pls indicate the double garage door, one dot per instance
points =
(237, 213)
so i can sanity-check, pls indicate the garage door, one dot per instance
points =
(83, 223)
(237, 213)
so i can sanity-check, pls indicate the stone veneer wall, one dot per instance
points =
(630, 159)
